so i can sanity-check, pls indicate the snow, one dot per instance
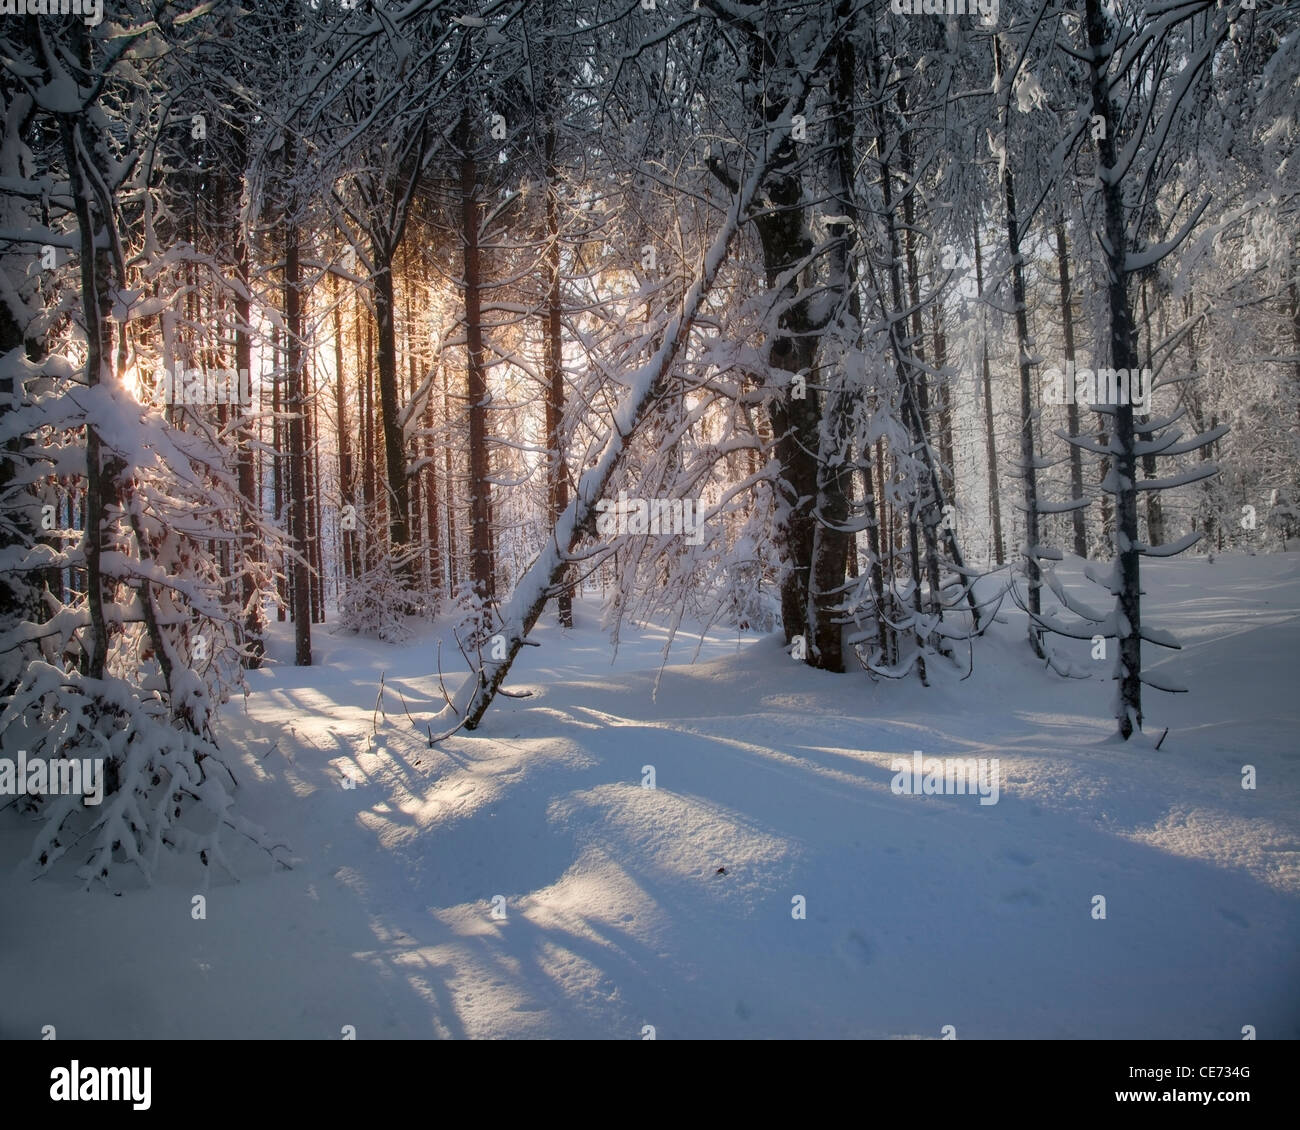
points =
(922, 911)
(60, 96)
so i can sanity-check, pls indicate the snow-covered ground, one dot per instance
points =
(921, 911)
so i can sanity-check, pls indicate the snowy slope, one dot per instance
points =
(922, 911)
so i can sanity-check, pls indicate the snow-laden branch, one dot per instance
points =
(525, 605)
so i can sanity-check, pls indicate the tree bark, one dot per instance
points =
(369, 462)
(1124, 355)
(990, 441)
(343, 438)
(1071, 408)
(831, 539)
(100, 473)
(557, 474)
(1155, 510)
(250, 546)
(399, 498)
(1028, 460)
(482, 572)
(926, 512)
(297, 426)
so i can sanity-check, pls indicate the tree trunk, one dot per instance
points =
(557, 475)
(948, 475)
(449, 487)
(1028, 460)
(990, 443)
(343, 438)
(476, 389)
(250, 551)
(317, 573)
(1294, 290)
(431, 503)
(277, 467)
(399, 499)
(795, 414)
(413, 485)
(100, 473)
(531, 594)
(1155, 511)
(1071, 408)
(831, 539)
(926, 511)
(297, 427)
(1124, 355)
(369, 463)
(902, 356)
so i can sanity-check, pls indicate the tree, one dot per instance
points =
(1147, 117)
(132, 666)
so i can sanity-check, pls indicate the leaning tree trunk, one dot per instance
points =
(538, 582)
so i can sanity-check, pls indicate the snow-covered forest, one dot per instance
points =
(606, 517)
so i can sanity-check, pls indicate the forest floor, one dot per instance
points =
(921, 911)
